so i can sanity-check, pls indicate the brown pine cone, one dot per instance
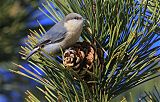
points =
(73, 57)
(80, 58)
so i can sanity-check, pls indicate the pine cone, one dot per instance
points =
(80, 58)
(73, 57)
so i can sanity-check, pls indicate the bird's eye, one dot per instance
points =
(76, 18)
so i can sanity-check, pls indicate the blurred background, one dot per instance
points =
(16, 18)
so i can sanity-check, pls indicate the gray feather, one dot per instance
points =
(32, 52)
(55, 34)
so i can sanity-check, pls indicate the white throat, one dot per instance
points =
(73, 25)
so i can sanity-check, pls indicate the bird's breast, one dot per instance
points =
(71, 38)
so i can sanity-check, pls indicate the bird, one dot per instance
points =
(62, 35)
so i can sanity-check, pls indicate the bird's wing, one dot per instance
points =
(54, 35)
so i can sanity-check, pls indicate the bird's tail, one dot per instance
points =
(32, 52)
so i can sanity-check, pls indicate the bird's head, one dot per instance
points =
(73, 21)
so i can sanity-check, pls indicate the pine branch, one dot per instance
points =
(121, 30)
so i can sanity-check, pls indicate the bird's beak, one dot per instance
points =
(32, 52)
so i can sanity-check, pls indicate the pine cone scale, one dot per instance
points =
(80, 57)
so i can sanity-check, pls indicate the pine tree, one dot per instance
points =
(117, 53)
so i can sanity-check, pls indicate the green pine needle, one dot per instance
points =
(121, 29)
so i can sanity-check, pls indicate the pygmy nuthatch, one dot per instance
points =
(62, 35)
